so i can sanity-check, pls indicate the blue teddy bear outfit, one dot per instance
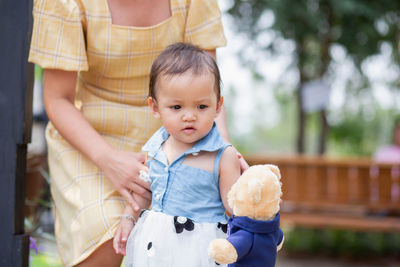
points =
(255, 241)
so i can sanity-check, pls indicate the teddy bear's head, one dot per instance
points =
(256, 194)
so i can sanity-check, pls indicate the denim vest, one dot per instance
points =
(181, 190)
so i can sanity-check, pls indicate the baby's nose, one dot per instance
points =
(189, 116)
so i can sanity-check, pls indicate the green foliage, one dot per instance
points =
(314, 28)
(360, 131)
(44, 260)
(353, 136)
(45, 241)
(354, 131)
(347, 138)
(342, 243)
(358, 25)
(260, 138)
(38, 73)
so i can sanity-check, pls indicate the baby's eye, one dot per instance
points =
(202, 106)
(176, 107)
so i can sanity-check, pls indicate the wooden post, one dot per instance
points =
(16, 83)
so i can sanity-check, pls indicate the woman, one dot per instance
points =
(96, 57)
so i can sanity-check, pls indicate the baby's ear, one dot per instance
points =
(275, 170)
(154, 108)
(219, 104)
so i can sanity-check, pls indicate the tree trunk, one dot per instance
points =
(323, 133)
(301, 114)
(301, 121)
(326, 59)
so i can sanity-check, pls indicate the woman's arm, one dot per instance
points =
(221, 124)
(221, 119)
(121, 167)
(229, 172)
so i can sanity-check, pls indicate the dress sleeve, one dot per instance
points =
(204, 25)
(58, 40)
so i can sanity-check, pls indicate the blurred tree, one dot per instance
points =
(360, 27)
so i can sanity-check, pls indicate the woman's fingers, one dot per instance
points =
(123, 170)
(138, 189)
(129, 198)
(141, 158)
(142, 184)
(142, 178)
(243, 164)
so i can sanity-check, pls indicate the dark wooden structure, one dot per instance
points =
(319, 192)
(16, 81)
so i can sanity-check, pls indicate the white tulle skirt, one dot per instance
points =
(161, 240)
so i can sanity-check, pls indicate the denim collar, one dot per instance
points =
(211, 142)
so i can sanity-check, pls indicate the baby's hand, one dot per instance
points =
(121, 236)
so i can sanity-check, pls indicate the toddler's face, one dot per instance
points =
(187, 105)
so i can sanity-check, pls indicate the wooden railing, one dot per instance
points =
(357, 194)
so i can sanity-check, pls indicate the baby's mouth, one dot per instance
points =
(189, 129)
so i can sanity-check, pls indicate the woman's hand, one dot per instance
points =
(122, 169)
(243, 163)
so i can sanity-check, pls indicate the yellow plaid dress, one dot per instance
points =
(113, 63)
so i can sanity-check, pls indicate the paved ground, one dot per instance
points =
(309, 260)
(284, 260)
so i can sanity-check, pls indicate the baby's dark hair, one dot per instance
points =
(179, 58)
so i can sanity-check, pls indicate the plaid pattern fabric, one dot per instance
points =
(113, 63)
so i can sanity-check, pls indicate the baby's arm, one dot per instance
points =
(229, 172)
(128, 221)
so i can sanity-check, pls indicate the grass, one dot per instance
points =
(46, 254)
(43, 259)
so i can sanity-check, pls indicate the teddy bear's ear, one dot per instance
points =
(274, 169)
(255, 190)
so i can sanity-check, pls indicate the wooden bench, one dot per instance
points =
(355, 194)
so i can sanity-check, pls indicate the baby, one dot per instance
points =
(191, 168)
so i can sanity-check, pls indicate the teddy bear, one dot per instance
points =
(254, 235)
